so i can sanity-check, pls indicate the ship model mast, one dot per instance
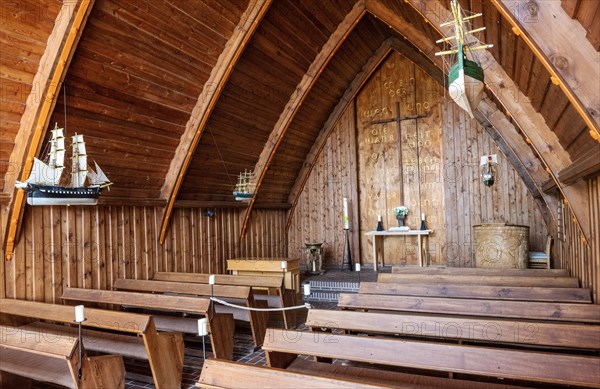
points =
(466, 77)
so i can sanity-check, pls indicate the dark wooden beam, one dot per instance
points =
(297, 98)
(206, 103)
(584, 167)
(228, 204)
(51, 72)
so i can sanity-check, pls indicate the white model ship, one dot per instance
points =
(43, 185)
(244, 189)
(465, 78)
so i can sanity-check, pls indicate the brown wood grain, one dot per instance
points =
(532, 366)
(584, 313)
(549, 294)
(557, 282)
(459, 328)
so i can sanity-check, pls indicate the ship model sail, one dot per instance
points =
(465, 78)
(44, 187)
(244, 189)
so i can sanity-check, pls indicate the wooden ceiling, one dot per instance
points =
(140, 68)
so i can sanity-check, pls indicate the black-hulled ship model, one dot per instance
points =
(44, 187)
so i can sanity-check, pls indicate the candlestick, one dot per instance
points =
(345, 212)
(79, 314)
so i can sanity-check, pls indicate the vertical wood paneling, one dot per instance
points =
(468, 202)
(90, 247)
(570, 251)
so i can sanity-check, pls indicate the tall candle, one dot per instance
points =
(422, 216)
(378, 218)
(79, 314)
(284, 265)
(357, 267)
(346, 218)
(211, 279)
(203, 326)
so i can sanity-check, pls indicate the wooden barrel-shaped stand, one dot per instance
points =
(501, 246)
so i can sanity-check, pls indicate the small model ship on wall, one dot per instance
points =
(244, 189)
(465, 78)
(43, 185)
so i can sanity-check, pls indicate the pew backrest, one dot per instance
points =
(222, 291)
(269, 282)
(282, 347)
(556, 282)
(583, 313)
(543, 334)
(524, 293)
(478, 271)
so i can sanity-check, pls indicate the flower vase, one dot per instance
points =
(400, 220)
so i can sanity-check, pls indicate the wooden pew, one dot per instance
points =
(524, 293)
(282, 348)
(238, 294)
(582, 313)
(277, 296)
(225, 374)
(128, 333)
(555, 282)
(477, 271)
(28, 354)
(221, 326)
(539, 334)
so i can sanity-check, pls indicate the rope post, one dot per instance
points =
(80, 318)
(211, 282)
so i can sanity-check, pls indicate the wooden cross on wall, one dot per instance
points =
(398, 119)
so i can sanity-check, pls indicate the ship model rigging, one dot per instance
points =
(44, 186)
(244, 189)
(465, 77)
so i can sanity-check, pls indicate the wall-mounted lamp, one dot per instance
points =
(487, 173)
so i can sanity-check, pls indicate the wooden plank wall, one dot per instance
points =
(90, 247)
(468, 202)
(318, 215)
(569, 249)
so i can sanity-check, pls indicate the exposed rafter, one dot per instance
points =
(297, 98)
(570, 64)
(52, 69)
(206, 103)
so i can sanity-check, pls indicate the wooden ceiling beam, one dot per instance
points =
(297, 98)
(564, 50)
(541, 138)
(47, 81)
(206, 103)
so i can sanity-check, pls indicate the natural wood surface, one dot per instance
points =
(223, 291)
(239, 295)
(220, 327)
(524, 293)
(221, 279)
(523, 365)
(583, 313)
(27, 352)
(557, 282)
(525, 332)
(475, 271)
(164, 350)
(225, 374)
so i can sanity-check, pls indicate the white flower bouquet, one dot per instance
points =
(401, 211)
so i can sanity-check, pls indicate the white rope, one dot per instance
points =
(305, 306)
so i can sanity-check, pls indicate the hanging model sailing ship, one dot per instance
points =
(43, 185)
(244, 189)
(465, 78)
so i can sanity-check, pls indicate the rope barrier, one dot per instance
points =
(216, 300)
